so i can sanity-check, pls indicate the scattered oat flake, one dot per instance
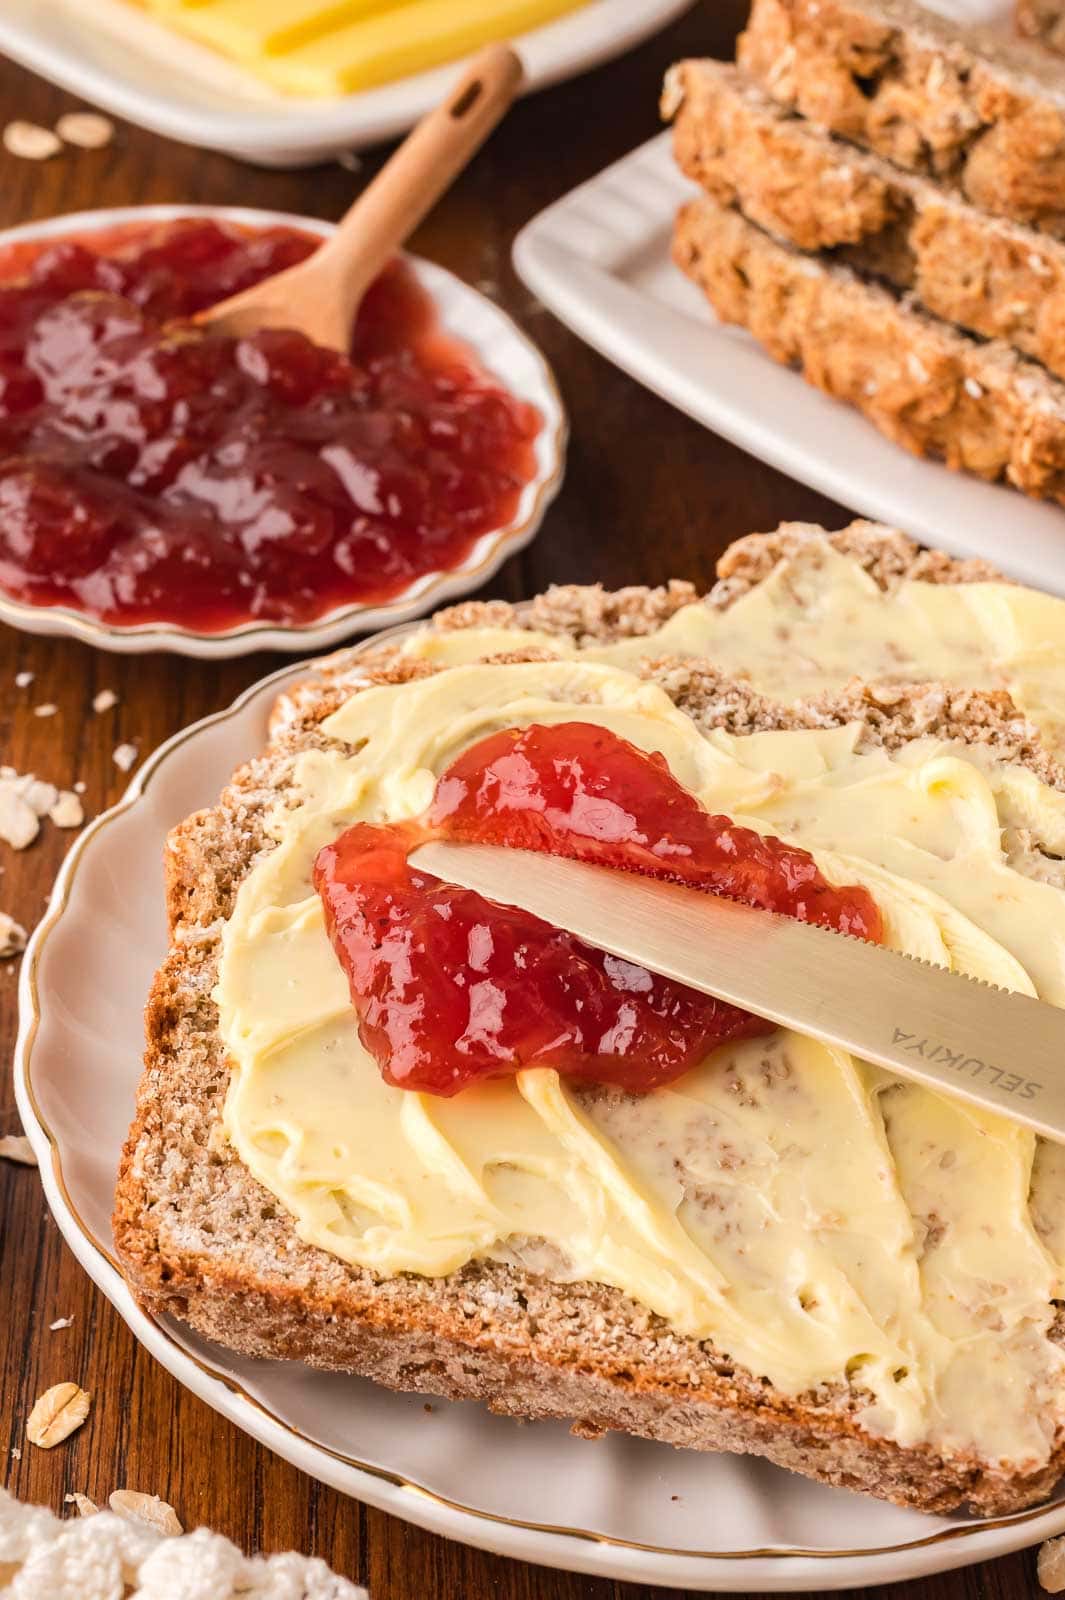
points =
(16, 1147)
(12, 937)
(67, 811)
(16, 1453)
(87, 129)
(38, 795)
(1051, 1566)
(23, 680)
(18, 821)
(30, 142)
(86, 1507)
(147, 1508)
(124, 756)
(47, 710)
(60, 1322)
(80, 786)
(104, 700)
(59, 1412)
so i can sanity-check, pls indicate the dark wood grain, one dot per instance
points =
(649, 495)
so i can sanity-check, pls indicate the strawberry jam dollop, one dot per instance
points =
(150, 473)
(450, 988)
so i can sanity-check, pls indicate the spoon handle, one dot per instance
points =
(389, 210)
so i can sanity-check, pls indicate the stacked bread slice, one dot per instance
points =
(883, 206)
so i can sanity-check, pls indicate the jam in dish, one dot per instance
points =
(451, 988)
(150, 473)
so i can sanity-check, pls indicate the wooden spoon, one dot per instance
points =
(321, 296)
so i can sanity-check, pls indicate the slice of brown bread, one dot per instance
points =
(202, 1240)
(985, 112)
(993, 277)
(979, 407)
(1043, 20)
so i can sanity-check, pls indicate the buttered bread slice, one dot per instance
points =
(785, 1251)
(799, 616)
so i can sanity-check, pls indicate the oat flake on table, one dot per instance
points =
(86, 129)
(25, 799)
(31, 142)
(12, 937)
(1051, 1566)
(18, 819)
(17, 1148)
(58, 1412)
(145, 1508)
(68, 811)
(80, 1558)
(85, 1506)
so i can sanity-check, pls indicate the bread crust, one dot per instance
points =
(932, 96)
(201, 1240)
(978, 407)
(995, 278)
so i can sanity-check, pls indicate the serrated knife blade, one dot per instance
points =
(998, 1049)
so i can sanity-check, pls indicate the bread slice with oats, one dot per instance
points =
(977, 406)
(983, 112)
(201, 1239)
(990, 276)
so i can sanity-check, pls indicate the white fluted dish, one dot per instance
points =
(465, 314)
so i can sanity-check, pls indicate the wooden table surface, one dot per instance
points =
(649, 495)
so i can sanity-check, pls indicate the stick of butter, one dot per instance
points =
(248, 29)
(319, 48)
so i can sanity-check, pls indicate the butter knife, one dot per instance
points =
(998, 1049)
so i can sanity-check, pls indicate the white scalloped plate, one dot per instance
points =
(622, 1508)
(126, 61)
(502, 349)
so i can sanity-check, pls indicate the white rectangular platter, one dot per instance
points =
(600, 260)
(120, 58)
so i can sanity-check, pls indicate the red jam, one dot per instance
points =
(149, 473)
(451, 988)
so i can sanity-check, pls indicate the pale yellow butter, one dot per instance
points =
(819, 621)
(813, 1217)
(322, 48)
